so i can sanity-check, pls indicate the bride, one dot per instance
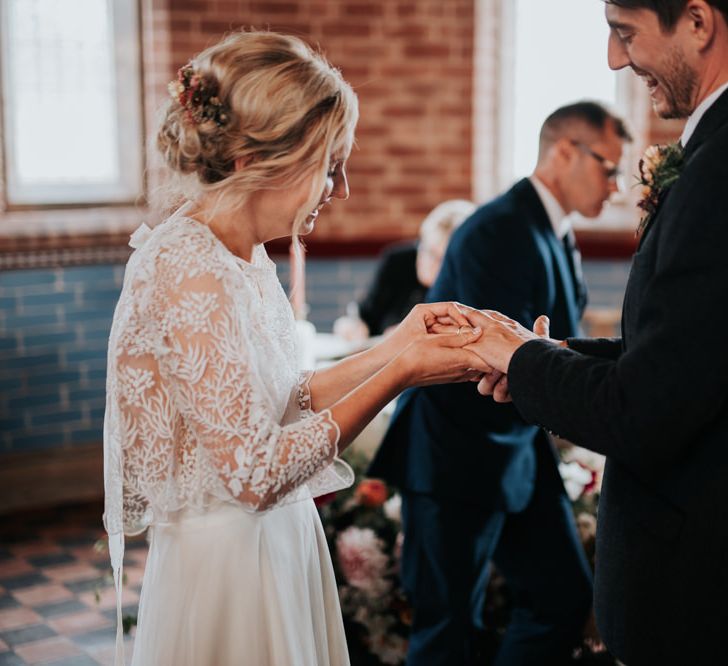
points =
(212, 439)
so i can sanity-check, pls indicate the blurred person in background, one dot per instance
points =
(405, 272)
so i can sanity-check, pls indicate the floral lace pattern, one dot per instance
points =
(204, 402)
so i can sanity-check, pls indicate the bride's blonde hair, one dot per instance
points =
(279, 109)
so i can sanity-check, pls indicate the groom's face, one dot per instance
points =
(658, 57)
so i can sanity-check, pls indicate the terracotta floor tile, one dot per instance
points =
(42, 594)
(66, 573)
(107, 598)
(47, 650)
(89, 553)
(104, 654)
(14, 567)
(76, 623)
(14, 618)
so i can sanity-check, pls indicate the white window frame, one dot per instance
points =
(129, 186)
(494, 101)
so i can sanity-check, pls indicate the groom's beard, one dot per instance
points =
(677, 83)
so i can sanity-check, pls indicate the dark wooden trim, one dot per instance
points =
(594, 244)
(49, 477)
(606, 244)
(331, 248)
(74, 250)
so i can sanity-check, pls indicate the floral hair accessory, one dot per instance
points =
(659, 168)
(198, 95)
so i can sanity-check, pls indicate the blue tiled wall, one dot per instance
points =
(54, 326)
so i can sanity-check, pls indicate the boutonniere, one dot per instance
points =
(659, 168)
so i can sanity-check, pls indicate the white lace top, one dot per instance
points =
(204, 400)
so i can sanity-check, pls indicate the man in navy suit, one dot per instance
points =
(478, 483)
(655, 401)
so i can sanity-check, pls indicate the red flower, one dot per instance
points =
(371, 492)
(591, 486)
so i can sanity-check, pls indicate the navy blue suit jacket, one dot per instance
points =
(447, 440)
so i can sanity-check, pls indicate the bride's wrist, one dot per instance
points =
(401, 371)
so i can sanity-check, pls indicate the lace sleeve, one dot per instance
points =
(218, 394)
(339, 474)
(303, 392)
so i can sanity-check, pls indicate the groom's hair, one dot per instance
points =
(571, 120)
(668, 11)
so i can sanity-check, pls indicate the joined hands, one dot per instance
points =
(498, 341)
(432, 346)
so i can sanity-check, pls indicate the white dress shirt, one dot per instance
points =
(560, 222)
(699, 112)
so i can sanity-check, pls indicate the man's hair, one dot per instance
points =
(568, 120)
(668, 11)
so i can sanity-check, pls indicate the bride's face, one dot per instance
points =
(336, 186)
(289, 202)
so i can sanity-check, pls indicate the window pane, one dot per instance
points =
(560, 57)
(65, 67)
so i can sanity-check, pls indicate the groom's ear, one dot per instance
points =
(701, 21)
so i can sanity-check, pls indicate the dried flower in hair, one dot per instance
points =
(198, 95)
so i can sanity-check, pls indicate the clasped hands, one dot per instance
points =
(454, 342)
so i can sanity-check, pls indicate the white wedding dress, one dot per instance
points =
(210, 443)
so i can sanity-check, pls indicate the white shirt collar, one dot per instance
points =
(697, 115)
(558, 218)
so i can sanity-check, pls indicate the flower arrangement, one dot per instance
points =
(363, 529)
(362, 525)
(659, 168)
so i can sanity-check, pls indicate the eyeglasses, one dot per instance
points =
(611, 170)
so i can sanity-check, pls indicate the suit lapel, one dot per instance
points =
(565, 278)
(573, 256)
(565, 273)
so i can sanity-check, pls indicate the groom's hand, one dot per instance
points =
(500, 339)
(496, 383)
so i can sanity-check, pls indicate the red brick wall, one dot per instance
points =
(411, 63)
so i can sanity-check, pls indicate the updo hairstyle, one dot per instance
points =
(285, 111)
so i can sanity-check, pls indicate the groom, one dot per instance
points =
(656, 400)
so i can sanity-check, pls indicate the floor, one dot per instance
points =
(57, 601)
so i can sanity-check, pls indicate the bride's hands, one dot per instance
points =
(423, 319)
(442, 358)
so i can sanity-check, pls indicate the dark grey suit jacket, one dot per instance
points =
(656, 403)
